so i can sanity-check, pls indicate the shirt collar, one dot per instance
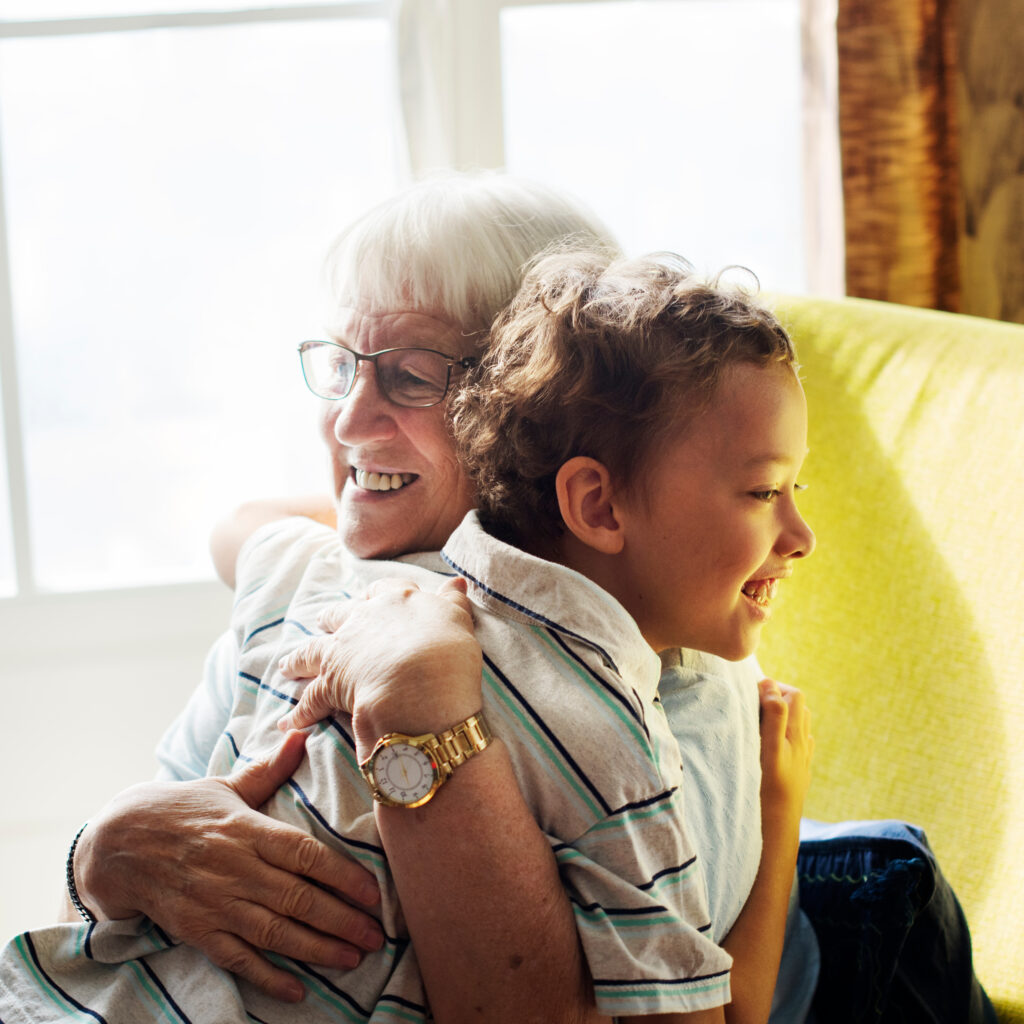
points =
(359, 573)
(520, 586)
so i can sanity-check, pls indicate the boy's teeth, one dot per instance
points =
(761, 591)
(382, 481)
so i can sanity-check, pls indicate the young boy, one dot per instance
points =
(698, 474)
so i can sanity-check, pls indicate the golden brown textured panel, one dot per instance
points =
(991, 105)
(899, 150)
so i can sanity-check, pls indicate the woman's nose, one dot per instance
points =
(364, 415)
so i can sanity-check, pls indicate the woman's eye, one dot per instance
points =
(406, 378)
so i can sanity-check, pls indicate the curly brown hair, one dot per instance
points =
(601, 358)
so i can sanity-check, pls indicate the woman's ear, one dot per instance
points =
(586, 501)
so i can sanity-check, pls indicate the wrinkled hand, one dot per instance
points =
(787, 748)
(401, 659)
(209, 869)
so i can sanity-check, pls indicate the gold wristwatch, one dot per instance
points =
(406, 771)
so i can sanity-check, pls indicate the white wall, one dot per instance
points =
(82, 712)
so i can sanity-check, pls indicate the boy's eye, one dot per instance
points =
(768, 496)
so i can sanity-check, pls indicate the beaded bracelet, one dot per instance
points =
(72, 889)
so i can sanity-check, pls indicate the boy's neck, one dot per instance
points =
(607, 571)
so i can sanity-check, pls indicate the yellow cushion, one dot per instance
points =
(906, 627)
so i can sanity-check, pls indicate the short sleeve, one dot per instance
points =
(185, 748)
(638, 895)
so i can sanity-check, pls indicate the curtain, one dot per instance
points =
(931, 115)
(991, 87)
(448, 72)
(899, 150)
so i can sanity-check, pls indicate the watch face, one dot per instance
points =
(404, 773)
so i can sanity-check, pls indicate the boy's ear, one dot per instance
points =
(586, 501)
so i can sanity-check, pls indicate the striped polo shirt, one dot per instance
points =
(568, 684)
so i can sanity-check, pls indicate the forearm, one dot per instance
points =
(231, 532)
(480, 890)
(756, 939)
(712, 1016)
(66, 913)
(494, 932)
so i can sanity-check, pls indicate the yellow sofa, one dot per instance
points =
(906, 628)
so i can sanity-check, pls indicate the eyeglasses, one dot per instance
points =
(414, 377)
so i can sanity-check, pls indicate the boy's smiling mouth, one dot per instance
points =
(762, 591)
(369, 481)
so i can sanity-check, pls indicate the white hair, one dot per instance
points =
(456, 245)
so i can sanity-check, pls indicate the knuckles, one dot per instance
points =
(307, 855)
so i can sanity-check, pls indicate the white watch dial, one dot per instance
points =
(403, 773)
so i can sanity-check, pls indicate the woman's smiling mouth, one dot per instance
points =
(369, 481)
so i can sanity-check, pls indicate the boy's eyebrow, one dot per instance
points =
(770, 458)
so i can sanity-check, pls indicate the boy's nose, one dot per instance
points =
(802, 539)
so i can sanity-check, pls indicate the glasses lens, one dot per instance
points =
(413, 376)
(328, 368)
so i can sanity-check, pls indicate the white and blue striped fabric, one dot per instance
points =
(570, 687)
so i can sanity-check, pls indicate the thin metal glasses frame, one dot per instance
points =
(465, 363)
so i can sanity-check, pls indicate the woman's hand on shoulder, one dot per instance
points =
(400, 659)
(199, 860)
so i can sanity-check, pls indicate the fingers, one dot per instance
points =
(314, 705)
(305, 921)
(785, 717)
(294, 856)
(279, 933)
(305, 661)
(331, 618)
(301, 856)
(258, 781)
(798, 722)
(455, 589)
(295, 917)
(774, 706)
(233, 955)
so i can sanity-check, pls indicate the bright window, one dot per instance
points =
(679, 121)
(170, 194)
(8, 584)
(172, 180)
(25, 10)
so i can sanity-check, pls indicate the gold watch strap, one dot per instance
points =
(458, 744)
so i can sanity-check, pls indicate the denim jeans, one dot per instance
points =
(895, 946)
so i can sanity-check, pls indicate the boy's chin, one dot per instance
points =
(739, 649)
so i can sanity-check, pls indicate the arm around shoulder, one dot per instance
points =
(233, 530)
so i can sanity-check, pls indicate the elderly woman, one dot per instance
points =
(429, 269)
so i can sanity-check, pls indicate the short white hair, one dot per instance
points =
(456, 245)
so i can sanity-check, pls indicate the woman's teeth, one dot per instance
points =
(761, 591)
(382, 481)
